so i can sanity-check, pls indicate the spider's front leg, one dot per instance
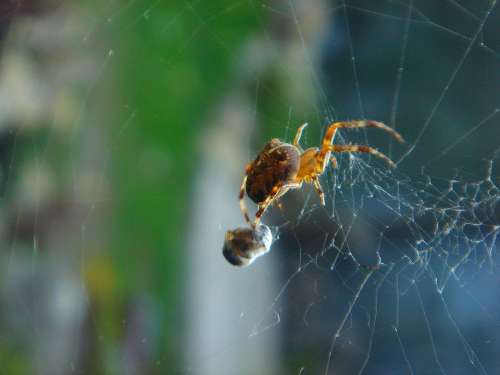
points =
(327, 146)
(319, 190)
(332, 129)
(364, 149)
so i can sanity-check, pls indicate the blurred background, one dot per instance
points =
(125, 127)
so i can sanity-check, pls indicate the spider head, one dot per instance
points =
(243, 245)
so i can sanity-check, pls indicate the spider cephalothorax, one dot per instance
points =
(281, 166)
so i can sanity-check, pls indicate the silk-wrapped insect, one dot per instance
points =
(243, 245)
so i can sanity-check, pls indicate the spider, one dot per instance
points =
(281, 166)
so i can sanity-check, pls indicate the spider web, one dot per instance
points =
(407, 249)
(396, 274)
(416, 241)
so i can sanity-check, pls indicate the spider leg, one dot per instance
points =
(276, 193)
(263, 206)
(361, 148)
(243, 206)
(332, 129)
(319, 190)
(296, 140)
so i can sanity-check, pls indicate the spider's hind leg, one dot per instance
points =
(263, 206)
(277, 191)
(241, 196)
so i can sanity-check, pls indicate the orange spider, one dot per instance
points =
(281, 166)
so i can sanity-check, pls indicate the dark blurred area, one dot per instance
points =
(125, 128)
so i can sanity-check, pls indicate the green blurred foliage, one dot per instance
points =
(172, 64)
(13, 358)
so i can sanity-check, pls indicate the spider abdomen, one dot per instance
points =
(277, 163)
